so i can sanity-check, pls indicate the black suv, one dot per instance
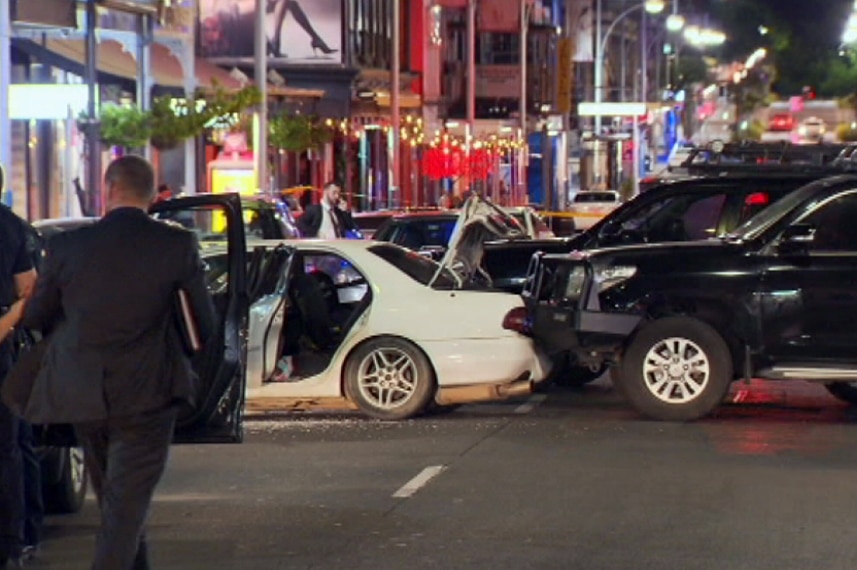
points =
(774, 299)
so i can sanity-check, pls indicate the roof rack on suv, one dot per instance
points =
(764, 153)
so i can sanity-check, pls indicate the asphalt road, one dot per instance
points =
(564, 480)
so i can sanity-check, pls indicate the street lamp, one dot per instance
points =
(650, 6)
(703, 37)
(849, 36)
(675, 22)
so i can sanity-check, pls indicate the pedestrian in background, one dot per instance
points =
(325, 220)
(17, 276)
(115, 367)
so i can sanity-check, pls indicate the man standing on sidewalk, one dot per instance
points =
(115, 367)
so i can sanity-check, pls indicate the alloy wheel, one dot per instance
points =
(676, 370)
(387, 378)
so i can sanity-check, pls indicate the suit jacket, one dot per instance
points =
(310, 221)
(108, 292)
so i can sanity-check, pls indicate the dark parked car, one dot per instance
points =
(774, 299)
(428, 232)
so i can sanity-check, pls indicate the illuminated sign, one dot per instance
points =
(611, 109)
(48, 101)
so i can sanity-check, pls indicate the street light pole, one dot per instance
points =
(395, 91)
(471, 89)
(601, 45)
(260, 142)
(522, 106)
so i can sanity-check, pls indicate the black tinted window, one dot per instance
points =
(702, 217)
(421, 233)
(836, 224)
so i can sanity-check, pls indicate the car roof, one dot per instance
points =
(692, 183)
(428, 215)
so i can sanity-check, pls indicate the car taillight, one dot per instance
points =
(516, 320)
(757, 199)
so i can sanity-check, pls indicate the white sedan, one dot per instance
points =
(354, 323)
(589, 206)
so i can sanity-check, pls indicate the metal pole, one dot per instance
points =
(623, 62)
(5, 82)
(471, 63)
(635, 158)
(395, 88)
(144, 69)
(599, 71)
(189, 67)
(644, 58)
(93, 144)
(522, 109)
(260, 142)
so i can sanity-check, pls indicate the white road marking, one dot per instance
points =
(419, 481)
(531, 404)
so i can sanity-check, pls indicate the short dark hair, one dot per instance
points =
(134, 175)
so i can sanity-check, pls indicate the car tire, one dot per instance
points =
(389, 378)
(66, 493)
(676, 369)
(845, 391)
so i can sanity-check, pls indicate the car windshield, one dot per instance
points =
(755, 226)
(417, 267)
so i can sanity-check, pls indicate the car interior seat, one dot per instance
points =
(312, 306)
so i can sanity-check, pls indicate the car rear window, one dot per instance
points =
(416, 234)
(587, 197)
(417, 267)
(370, 222)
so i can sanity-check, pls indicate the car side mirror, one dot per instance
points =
(796, 239)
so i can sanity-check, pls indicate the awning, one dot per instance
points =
(114, 60)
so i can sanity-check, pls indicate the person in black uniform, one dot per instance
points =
(17, 277)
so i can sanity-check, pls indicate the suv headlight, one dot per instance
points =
(608, 277)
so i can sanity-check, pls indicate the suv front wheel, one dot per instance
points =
(676, 369)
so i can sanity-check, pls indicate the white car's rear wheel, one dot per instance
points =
(389, 378)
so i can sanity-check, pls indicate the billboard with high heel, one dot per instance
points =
(297, 31)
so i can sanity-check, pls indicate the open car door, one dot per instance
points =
(218, 224)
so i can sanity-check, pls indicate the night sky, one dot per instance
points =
(803, 35)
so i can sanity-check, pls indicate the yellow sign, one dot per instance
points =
(565, 83)
(241, 180)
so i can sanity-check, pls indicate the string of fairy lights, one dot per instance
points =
(412, 133)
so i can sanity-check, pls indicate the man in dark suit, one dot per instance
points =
(115, 367)
(325, 220)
